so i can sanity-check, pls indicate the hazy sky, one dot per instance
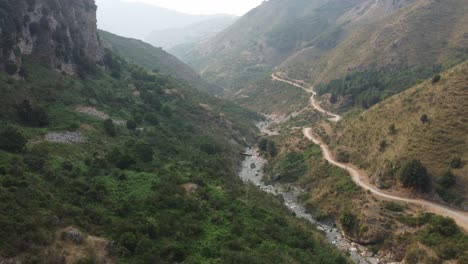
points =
(235, 7)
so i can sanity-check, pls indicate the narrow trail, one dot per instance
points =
(360, 177)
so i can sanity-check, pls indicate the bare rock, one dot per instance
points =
(65, 137)
(74, 235)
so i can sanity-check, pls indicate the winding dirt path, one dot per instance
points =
(360, 177)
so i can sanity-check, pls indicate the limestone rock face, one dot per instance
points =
(59, 33)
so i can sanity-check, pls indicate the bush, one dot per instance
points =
(131, 125)
(342, 156)
(348, 221)
(144, 152)
(414, 175)
(32, 116)
(456, 163)
(12, 140)
(11, 68)
(424, 119)
(448, 180)
(109, 127)
(263, 144)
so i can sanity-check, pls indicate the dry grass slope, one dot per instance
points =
(435, 143)
(426, 32)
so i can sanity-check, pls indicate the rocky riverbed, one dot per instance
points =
(252, 172)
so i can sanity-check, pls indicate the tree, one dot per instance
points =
(272, 148)
(348, 221)
(263, 144)
(32, 116)
(109, 127)
(448, 180)
(144, 152)
(456, 163)
(11, 68)
(131, 125)
(424, 118)
(12, 140)
(414, 175)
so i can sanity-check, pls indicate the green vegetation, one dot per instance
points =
(292, 167)
(12, 140)
(348, 221)
(127, 185)
(414, 175)
(417, 124)
(367, 88)
(268, 146)
(439, 234)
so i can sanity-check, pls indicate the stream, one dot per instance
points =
(252, 172)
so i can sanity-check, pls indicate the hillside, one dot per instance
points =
(191, 34)
(119, 164)
(278, 29)
(426, 123)
(137, 20)
(414, 39)
(154, 59)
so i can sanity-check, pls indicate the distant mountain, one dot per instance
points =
(172, 37)
(154, 59)
(423, 33)
(320, 40)
(138, 20)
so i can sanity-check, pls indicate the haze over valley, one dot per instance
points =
(277, 131)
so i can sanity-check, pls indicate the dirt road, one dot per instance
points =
(360, 177)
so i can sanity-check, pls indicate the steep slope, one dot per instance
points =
(422, 34)
(154, 59)
(262, 39)
(131, 166)
(138, 20)
(426, 123)
(191, 34)
(279, 29)
(59, 33)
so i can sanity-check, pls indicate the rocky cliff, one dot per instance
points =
(59, 33)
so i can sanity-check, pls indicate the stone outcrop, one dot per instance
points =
(59, 33)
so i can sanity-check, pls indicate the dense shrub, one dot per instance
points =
(33, 116)
(448, 180)
(131, 124)
(11, 68)
(424, 119)
(348, 221)
(144, 152)
(414, 175)
(110, 128)
(11, 139)
(456, 163)
(366, 88)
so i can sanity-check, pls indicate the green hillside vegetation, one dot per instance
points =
(366, 88)
(386, 227)
(154, 59)
(124, 181)
(427, 124)
(269, 97)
